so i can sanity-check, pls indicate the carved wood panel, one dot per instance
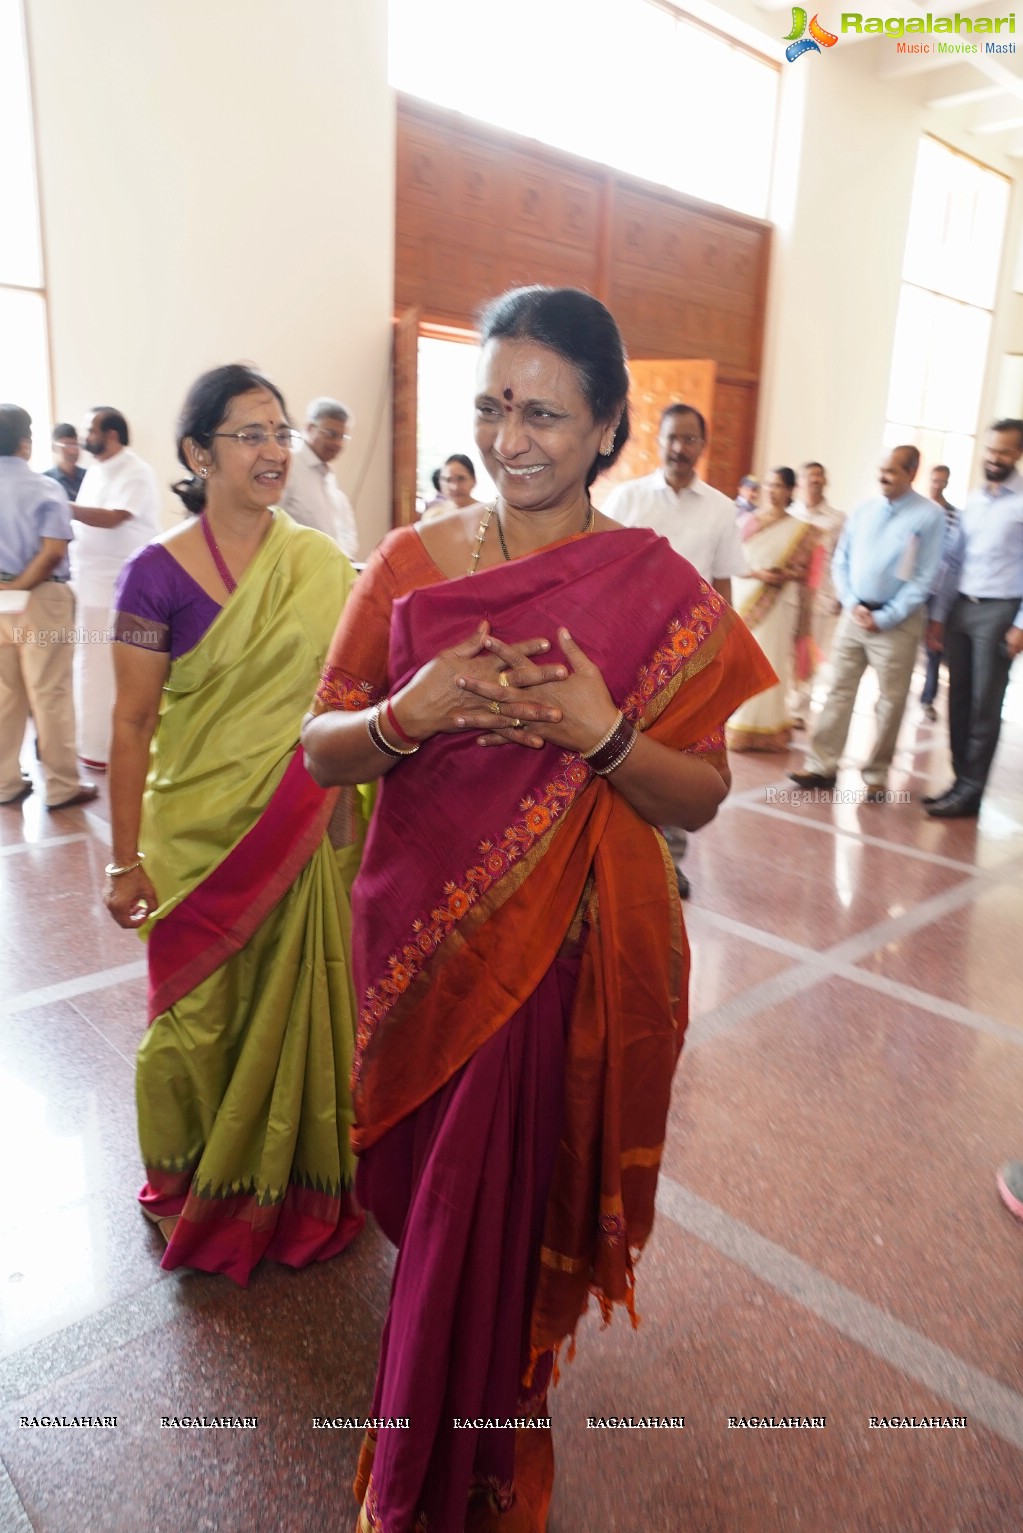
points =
(479, 211)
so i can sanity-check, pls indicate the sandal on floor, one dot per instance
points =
(165, 1223)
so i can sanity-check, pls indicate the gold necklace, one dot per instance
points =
(485, 523)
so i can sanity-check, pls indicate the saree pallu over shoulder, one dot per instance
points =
(231, 707)
(242, 1084)
(472, 879)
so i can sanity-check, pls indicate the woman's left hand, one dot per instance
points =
(587, 707)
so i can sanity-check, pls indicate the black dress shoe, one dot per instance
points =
(683, 884)
(812, 780)
(960, 804)
(939, 798)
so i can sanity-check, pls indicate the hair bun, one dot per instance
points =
(192, 492)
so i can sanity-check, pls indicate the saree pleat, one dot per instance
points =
(509, 1110)
(242, 1082)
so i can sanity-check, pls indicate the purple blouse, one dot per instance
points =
(157, 604)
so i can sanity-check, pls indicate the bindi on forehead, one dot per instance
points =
(509, 395)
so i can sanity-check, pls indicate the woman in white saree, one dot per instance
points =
(778, 551)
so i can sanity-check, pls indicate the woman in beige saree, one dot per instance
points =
(778, 551)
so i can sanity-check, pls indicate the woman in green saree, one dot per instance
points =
(230, 859)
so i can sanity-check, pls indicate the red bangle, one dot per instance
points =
(407, 739)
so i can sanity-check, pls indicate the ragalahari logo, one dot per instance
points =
(799, 43)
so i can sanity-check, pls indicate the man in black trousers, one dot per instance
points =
(984, 629)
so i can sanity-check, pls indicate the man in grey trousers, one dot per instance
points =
(984, 629)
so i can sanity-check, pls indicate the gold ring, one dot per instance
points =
(517, 724)
(494, 707)
(503, 679)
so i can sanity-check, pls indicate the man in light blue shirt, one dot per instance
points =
(883, 569)
(983, 603)
(37, 612)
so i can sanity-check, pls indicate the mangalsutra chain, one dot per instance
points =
(480, 535)
(485, 523)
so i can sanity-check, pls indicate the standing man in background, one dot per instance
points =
(939, 484)
(984, 631)
(66, 469)
(818, 605)
(36, 643)
(312, 495)
(117, 511)
(699, 523)
(884, 567)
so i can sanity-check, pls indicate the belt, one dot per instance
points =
(61, 580)
(872, 606)
(1016, 599)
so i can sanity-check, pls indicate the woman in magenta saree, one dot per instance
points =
(520, 958)
(232, 860)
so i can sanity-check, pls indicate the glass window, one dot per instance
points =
(943, 332)
(24, 356)
(20, 255)
(625, 82)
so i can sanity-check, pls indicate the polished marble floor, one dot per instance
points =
(830, 1242)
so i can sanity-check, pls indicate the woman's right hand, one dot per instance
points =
(434, 703)
(130, 898)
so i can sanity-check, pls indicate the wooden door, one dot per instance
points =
(405, 394)
(653, 385)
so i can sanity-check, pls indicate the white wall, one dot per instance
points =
(217, 184)
(846, 160)
(849, 143)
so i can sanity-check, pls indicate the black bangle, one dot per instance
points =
(609, 753)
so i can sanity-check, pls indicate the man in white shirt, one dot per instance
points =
(312, 495)
(819, 606)
(116, 513)
(697, 521)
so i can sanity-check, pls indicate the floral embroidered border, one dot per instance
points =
(340, 693)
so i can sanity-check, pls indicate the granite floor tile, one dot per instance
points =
(962, 957)
(863, 1136)
(294, 1346)
(745, 865)
(715, 1343)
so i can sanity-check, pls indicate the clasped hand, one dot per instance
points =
(566, 705)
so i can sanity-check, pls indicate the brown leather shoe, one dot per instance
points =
(85, 795)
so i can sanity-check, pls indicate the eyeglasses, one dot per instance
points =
(682, 441)
(331, 434)
(255, 437)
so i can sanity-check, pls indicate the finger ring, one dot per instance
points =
(494, 707)
(517, 724)
(503, 679)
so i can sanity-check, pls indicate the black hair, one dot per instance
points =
(941, 468)
(911, 457)
(206, 404)
(680, 409)
(577, 327)
(15, 426)
(814, 464)
(63, 431)
(1010, 425)
(786, 476)
(112, 420)
(435, 480)
(463, 459)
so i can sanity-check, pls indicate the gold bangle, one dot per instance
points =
(113, 871)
